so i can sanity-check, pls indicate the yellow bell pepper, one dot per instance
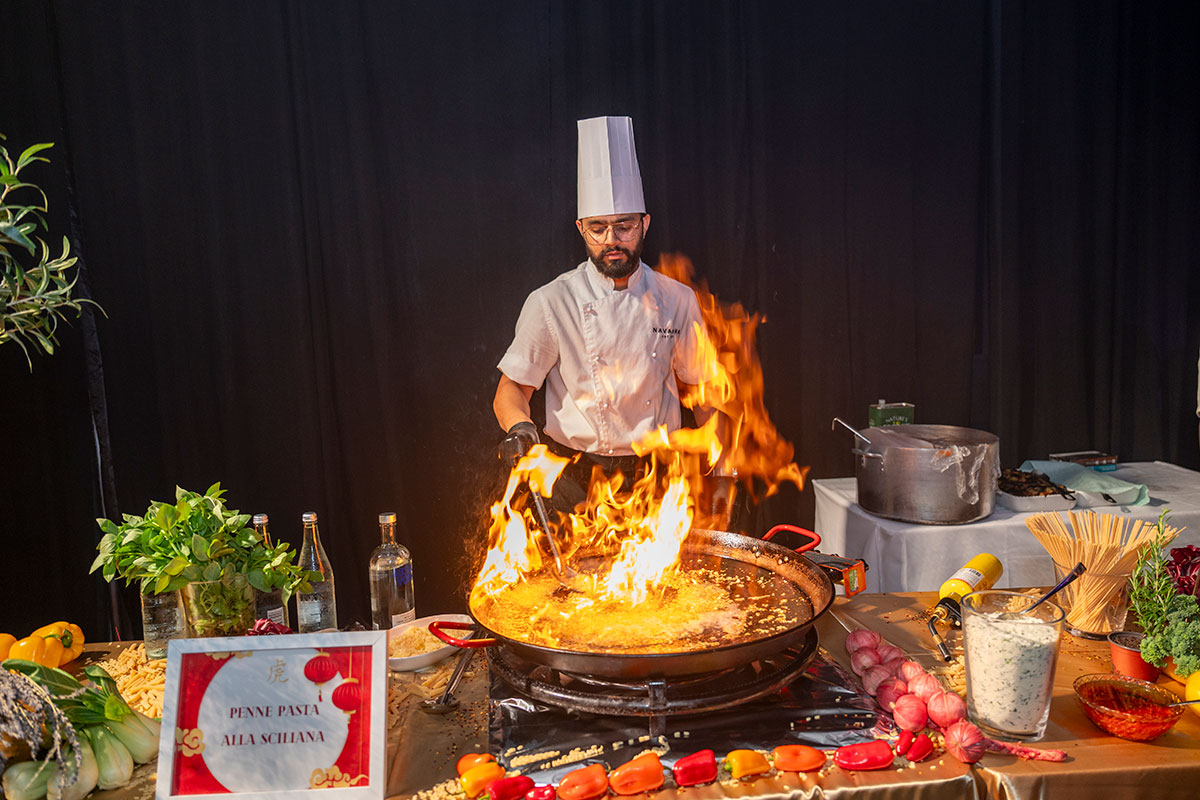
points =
(32, 648)
(6, 643)
(69, 634)
(741, 763)
(476, 779)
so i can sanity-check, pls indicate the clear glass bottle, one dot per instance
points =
(315, 610)
(268, 605)
(391, 579)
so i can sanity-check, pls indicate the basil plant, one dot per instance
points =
(196, 539)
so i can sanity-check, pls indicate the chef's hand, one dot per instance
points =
(520, 438)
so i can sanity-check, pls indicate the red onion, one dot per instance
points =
(965, 742)
(889, 691)
(888, 651)
(924, 686)
(873, 677)
(909, 712)
(893, 664)
(945, 709)
(861, 638)
(863, 659)
(909, 670)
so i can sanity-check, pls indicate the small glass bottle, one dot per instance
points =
(391, 579)
(268, 605)
(315, 610)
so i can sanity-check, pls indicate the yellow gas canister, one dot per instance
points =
(978, 574)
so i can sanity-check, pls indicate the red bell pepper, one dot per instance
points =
(797, 758)
(922, 748)
(868, 755)
(472, 760)
(541, 792)
(512, 787)
(584, 783)
(903, 742)
(700, 767)
(642, 774)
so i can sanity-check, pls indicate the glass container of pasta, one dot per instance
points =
(1096, 602)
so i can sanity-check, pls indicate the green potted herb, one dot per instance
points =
(199, 546)
(1170, 619)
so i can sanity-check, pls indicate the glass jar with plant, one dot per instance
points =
(209, 551)
(1169, 617)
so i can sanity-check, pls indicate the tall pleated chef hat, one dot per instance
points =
(609, 179)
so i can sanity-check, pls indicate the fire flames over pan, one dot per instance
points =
(644, 583)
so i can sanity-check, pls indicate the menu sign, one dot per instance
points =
(275, 716)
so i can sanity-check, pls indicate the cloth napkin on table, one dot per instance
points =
(1091, 488)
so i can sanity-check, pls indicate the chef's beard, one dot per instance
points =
(618, 269)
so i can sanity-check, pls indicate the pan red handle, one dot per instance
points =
(816, 539)
(438, 626)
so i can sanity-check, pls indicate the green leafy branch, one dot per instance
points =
(33, 298)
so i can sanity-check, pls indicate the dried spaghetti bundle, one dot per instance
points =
(1108, 545)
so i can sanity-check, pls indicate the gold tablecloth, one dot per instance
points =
(425, 748)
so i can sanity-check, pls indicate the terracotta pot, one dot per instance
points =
(1125, 647)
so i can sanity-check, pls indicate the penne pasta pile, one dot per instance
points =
(139, 680)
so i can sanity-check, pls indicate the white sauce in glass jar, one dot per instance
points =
(1010, 671)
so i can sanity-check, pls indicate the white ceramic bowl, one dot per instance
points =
(423, 660)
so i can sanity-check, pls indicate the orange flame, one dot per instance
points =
(632, 536)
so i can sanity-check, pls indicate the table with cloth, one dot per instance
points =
(427, 747)
(905, 556)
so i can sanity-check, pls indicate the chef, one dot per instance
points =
(613, 341)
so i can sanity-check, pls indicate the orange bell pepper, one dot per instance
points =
(477, 778)
(642, 774)
(585, 783)
(472, 760)
(6, 643)
(742, 763)
(797, 758)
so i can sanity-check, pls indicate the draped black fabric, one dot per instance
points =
(312, 226)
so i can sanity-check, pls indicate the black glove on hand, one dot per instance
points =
(520, 438)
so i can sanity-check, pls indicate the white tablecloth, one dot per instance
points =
(905, 557)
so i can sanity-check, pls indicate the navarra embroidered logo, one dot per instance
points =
(666, 331)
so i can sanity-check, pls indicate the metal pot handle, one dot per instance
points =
(438, 626)
(816, 538)
(865, 454)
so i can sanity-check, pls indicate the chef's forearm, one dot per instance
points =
(511, 404)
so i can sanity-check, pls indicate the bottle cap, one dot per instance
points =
(260, 519)
(309, 516)
(387, 516)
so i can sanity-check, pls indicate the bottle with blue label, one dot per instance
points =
(392, 600)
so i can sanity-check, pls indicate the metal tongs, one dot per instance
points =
(562, 570)
(447, 702)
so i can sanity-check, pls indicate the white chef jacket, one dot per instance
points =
(609, 357)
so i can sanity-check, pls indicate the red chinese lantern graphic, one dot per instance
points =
(348, 696)
(320, 669)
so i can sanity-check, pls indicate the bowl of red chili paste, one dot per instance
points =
(1127, 707)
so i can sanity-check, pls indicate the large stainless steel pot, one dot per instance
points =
(720, 550)
(951, 483)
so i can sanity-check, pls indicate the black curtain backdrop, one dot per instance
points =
(312, 226)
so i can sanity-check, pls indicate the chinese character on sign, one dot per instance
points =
(278, 672)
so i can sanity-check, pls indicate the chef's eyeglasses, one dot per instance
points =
(624, 231)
